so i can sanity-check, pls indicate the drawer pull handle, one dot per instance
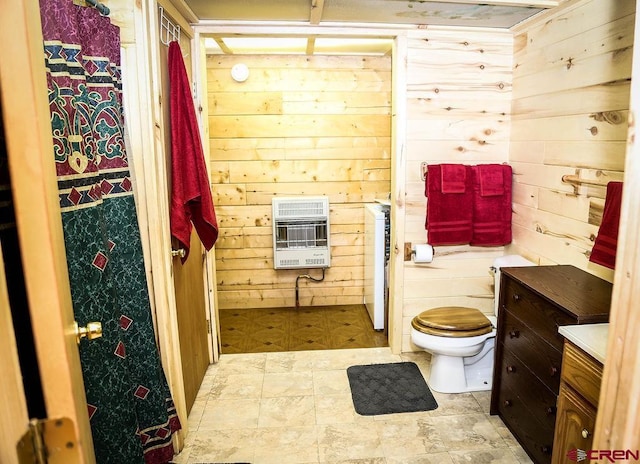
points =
(516, 297)
(553, 371)
(551, 410)
(585, 433)
(511, 369)
(507, 403)
(514, 334)
(546, 449)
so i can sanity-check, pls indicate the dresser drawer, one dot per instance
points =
(541, 357)
(540, 315)
(539, 400)
(536, 439)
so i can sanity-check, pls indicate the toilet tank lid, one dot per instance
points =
(512, 261)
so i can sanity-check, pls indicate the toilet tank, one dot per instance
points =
(505, 261)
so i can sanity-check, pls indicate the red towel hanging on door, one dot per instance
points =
(191, 200)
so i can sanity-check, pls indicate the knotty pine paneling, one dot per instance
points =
(571, 87)
(300, 125)
(458, 111)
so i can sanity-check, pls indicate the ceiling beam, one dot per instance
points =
(311, 45)
(520, 3)
(223, 46)
(316, 11)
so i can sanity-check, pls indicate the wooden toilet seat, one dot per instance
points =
(452, 321)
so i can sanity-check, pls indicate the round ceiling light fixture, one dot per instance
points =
(240, 72)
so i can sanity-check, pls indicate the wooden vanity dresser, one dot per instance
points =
(534, 303)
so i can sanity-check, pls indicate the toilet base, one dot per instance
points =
(455, 374)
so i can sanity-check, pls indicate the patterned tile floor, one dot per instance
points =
(295, 407)
(289, 329)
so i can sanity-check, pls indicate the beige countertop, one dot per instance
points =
(592, 338)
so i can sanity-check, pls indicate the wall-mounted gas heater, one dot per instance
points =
(301, 232)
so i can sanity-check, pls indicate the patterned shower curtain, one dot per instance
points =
(131, 412)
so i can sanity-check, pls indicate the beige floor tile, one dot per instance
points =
(242, 363)
(452, 404)
(287, 445)
(237, 445)
(493, 456)
(287, 384)
(338, 442)
(484, 400)
(225, 414)
(292, 361)
(197, 410)
(503, 431)
(239, 386)
(409, 437)
(436, 458)
(331, 382)
(466, 432)
(335, 409)
(292, 411)
(296, 407)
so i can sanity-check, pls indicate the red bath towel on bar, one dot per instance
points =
(604, 249)
(449, 194)
(492, 184)
(191, 200)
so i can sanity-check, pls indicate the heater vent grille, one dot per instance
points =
(301, 232)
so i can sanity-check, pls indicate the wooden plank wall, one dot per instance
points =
(299, 125)
(571, 84)
(458, 105)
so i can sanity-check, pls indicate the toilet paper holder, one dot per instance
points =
(410, 252)
(422, 253)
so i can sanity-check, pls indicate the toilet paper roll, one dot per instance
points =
(423, 253)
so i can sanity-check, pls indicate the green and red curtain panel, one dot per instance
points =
(131, 411)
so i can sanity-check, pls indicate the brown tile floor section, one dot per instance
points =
(289, 329)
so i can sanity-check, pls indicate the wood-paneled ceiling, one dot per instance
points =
(490, 13)
(465, 13)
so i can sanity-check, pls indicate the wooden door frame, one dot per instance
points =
(38, 217)
(15, 421)
(199, 73)
(398, 132)
(617, 421)
(143, 93)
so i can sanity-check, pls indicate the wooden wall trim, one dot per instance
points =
(199, 63)
(274, 29)
(176, 14)
(618, 422)
(145, 122)
(527, 3)
(14, 421)
(398, 189)
(180, 11)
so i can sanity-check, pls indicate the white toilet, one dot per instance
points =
(461, 340)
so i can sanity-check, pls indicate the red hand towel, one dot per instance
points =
(190, 191)
(454, 178)
(491, 180)
(606, 244)
(491, 205)
(448, 214)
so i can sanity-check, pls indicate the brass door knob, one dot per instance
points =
(181, 252)
(91, 331)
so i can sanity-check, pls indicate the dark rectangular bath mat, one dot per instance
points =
(389, 388)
